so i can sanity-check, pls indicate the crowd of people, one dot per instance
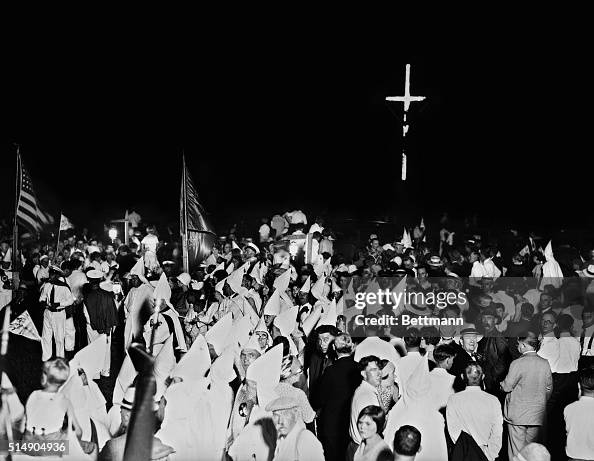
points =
(258, 358)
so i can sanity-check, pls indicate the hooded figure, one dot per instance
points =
(551, 271)
(162, 295)
(415, 409)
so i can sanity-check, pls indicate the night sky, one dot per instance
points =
(504, 132)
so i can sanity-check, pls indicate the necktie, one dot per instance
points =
(52, 296)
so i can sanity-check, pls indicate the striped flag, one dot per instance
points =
(28, 212)
(193, 224)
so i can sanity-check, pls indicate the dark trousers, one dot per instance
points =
(335, 446)
(565, 391)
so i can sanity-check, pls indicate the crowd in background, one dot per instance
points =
(260, 359)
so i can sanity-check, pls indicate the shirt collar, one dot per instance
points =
(473, 388)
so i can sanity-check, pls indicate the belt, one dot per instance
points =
(54, 309)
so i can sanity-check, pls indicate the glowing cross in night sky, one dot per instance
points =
(406, 99)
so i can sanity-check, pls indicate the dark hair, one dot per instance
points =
(407, 441)
(376, 414)
(473, 374)
(431, 335)
(530, 338)
(587, 378)
(327, 329)
(367, 360)
(565, 322)
(443, 352)
(527, 310)
(412, 337)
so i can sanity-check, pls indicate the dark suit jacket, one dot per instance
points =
(114, 449)
(461, 361)
(334, 395)
(496, 359)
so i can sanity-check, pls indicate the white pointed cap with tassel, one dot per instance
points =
(138, 268)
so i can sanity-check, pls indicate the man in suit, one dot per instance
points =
(528, 385)
(495, 353)
(333, 401)
(466, 354)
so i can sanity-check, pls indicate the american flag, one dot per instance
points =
(28, 212)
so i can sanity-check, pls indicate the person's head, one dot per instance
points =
(588, 316)
(285, 419)
(546, 301)
(587, 381)
(407, 443)
(370, 369)
(547, 322)
(371, 421)
(247, 357)
(263, 338)
(325, 335)
(422, 273)
(469, 339)
(473, 374)
(343, 345)
(489, 319)
(412, 339)
(444, 356)
(374, 244)
(54, 373)
(527, 311)
(484, 301)
(565, 323)
(44, 261)
(528, 342)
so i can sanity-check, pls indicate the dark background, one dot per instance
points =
(268, 125)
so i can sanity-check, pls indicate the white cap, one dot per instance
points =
(241, 331)
(162, 290)
(306, 286)
(261, 326)
(235, 280)
(185, 278)
(387, 246)
(287, 321)
(219, 333)
(282, 281)
(138, 268)
(195, 363)
(106, 286)
(265, 370)
(221, 369)
(234, 245)
(95, 274)
(8, 256)
(329, 316)
(253, 247)
(42, 257)
(196, 285)
(352, 269)
(273, 305)
(319, 287)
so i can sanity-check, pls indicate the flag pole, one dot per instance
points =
(185, 217)
(59, 229)
(15, 229)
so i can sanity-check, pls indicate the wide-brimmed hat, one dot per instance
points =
(435, 261)
(589, 271)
